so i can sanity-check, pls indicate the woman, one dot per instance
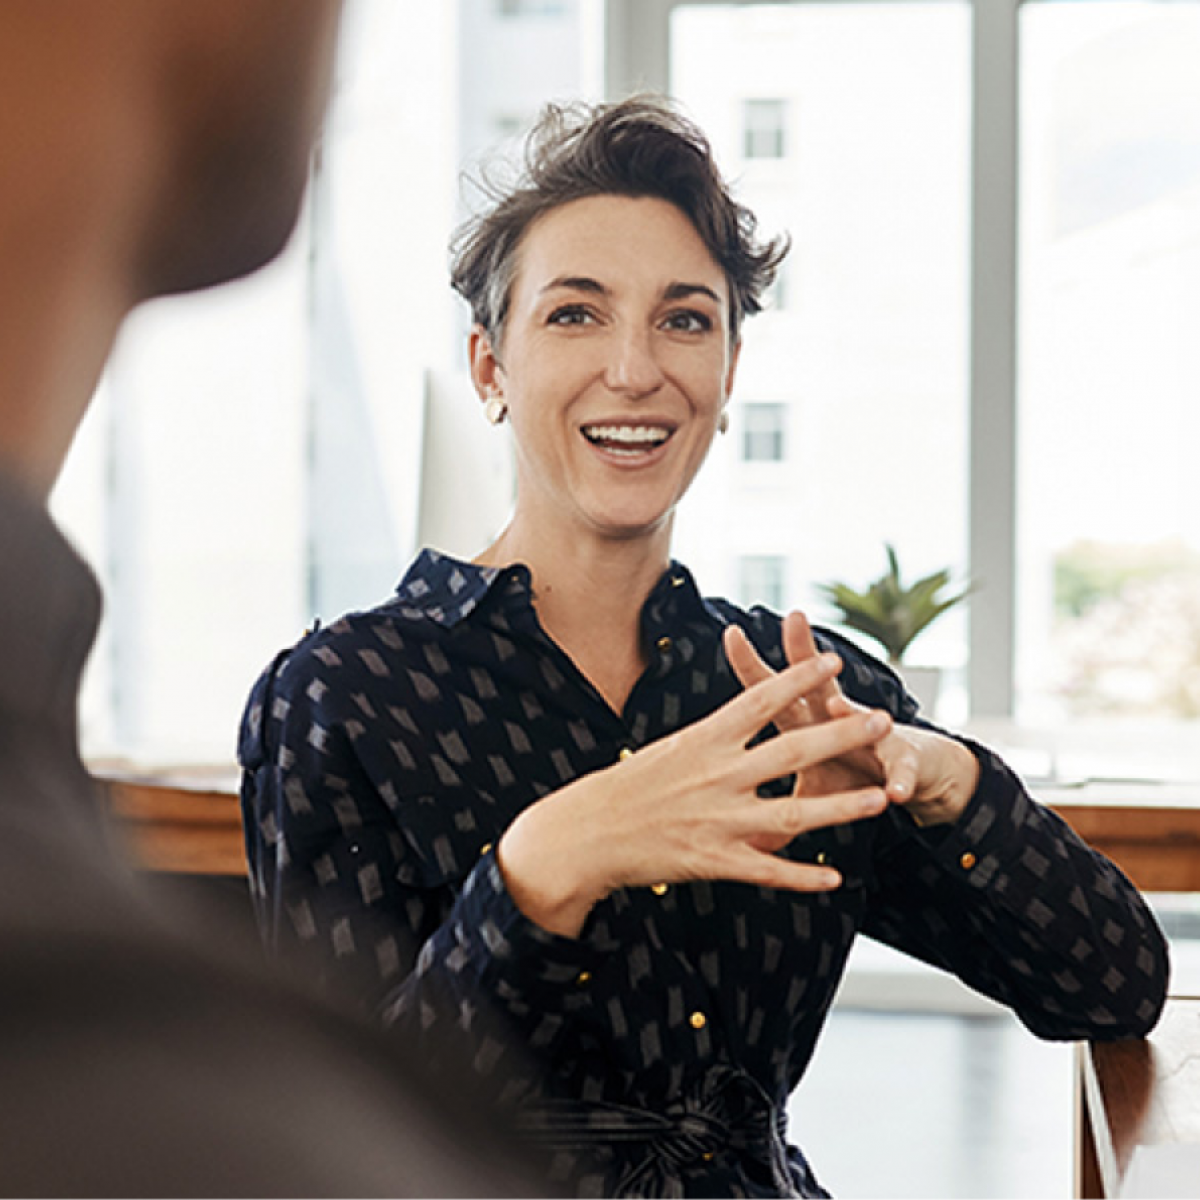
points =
(536, 796)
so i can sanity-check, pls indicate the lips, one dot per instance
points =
(627, 439)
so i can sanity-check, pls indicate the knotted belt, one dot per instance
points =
(725, 1110)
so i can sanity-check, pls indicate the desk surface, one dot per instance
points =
(1138, 1097)
(186, 824)
(189, 821)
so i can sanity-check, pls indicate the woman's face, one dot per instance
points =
(616, 364)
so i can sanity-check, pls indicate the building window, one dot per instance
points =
(762, 432)
(762, 579)
(764, 126)
(530, 8)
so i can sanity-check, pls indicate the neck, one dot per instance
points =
(589, 594)
(54, 338)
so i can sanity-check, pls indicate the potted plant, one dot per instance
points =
(894, 613)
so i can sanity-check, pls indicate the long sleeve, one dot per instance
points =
(1010, 899)
(1015, 904)
(397, 896)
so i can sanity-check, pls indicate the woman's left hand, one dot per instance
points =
(932, 775)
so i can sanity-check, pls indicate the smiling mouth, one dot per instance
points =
(627, 439)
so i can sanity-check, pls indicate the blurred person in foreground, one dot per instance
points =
(150, 147)
(540, 785)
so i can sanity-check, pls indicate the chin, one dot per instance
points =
(635, 528)
(234, 251)
(233, 213)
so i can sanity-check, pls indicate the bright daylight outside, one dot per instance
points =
(305, 460)
(1110, 374)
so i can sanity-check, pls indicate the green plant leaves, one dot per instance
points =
(888, 611)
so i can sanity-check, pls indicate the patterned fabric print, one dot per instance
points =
(385, 755)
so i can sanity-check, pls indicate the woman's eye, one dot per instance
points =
(569, 314)
(689, 321)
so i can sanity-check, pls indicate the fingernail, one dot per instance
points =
(829, 659)
(870, 802)
(830, 879)
(877, 723)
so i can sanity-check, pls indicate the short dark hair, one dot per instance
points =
(640, 147)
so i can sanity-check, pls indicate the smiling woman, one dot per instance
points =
(618, 837)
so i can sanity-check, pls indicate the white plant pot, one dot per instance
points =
(925, 685)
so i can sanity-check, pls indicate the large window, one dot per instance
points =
(867, 363)
(1109, 564)
(273, 452)
(276, 451)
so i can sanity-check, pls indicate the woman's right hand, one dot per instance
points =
(687, 807)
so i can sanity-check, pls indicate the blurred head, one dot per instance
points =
(641, 147)
(244, 89)
(146, 147)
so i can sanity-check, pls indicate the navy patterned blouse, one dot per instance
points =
(384, 756)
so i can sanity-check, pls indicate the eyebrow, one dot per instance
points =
(682, 291)
(577, 283)
(674, 291)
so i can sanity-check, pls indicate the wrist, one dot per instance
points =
(547, 877)
(959, 783)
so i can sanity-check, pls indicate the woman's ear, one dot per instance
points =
(485, 366)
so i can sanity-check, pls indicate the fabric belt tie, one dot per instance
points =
(725, 1109)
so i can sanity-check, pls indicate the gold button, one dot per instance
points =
(660, 889)
(697, 1020)
(484, 848)
(822, 858)
(664, 644)
(708, 1156)
(967, 861)
(583, 977)
(626, 753)
(677, 581)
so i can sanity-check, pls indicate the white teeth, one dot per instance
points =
(630, 435)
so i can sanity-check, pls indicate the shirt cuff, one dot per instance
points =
(988, 832)
(512, 950)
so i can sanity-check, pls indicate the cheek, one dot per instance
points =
(707, 391)
(703, 377)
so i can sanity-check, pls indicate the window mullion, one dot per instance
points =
(992, 452)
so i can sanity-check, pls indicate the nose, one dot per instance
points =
(633, 368)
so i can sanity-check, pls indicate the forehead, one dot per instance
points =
(619, 241)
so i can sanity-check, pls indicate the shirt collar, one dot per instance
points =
(673, 598)
(446, 590)
(440, 588)
(49, 612)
